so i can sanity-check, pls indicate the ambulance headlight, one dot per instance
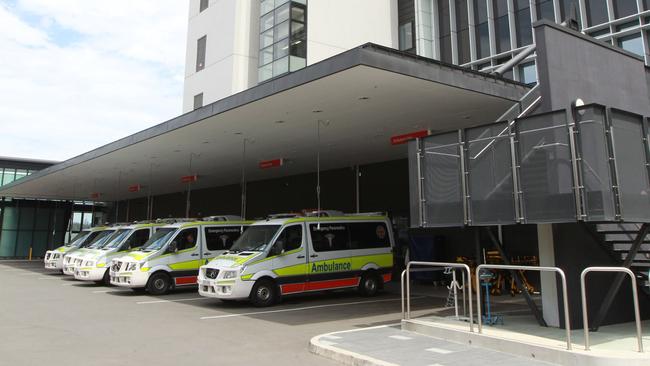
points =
(229, 274)
(90, 263)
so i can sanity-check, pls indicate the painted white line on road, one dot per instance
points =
(108, 291)
(69, 284)
(175, 300)
(47, 278)
(439, 350)
(400, 338)
(299, 309)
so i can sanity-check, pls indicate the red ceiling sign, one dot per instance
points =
(95, 195)
(189, 178)
(266, 164)
(135, 188)
(402, 139)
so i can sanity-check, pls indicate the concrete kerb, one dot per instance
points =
(328, 350)
(556, 355)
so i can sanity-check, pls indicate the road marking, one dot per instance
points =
(30, 274)
(439, 350)
(69, 284)
(47, 278)
(176, 300)
(299, 309)
(399, 337)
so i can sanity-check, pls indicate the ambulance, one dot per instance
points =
(95, 263)
(54, 258)
(98, 238)
(288, 255)
(172, 256)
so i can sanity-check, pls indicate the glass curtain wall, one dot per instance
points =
(482, 34)
(283, 37)
(8, 175)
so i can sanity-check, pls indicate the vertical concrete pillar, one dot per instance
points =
(550, 299)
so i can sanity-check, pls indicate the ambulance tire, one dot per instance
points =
(159, 283)
(106, 280)
(370, 284)
(264, 293)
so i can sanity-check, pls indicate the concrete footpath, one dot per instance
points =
(389, 345)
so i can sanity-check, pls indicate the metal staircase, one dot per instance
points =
(619, 237)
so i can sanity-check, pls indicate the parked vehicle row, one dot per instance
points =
(233, 259)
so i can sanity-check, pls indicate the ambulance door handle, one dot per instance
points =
(195, 255)
(207, 253)
(313, 256)
(300, 256)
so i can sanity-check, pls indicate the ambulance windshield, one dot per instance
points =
(255, 238)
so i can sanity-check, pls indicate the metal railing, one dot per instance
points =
(525, 268)
(583, 293)
(406, 285)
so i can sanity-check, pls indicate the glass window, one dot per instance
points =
(220, 237)
(290, 238)
(297, 30)
(570, 8)
(203, 5)
(596, 11)
(406, 36)
(627, 25)
(265, 72)
(368, 235)
(482, 40)
(198, 101)
(545, 10)
(266, 22)
(623, 8)
(282, 14)
(281, 49)
(255, 238)
(522, 23)
(266, 56)
(186, 239)
(528, 73)
(200, 53)
(330, 237)
(158, 239)
(137, 239)
(20, 173)
(299, 48)
(280, 66)
(480, 11)
(266, 38)
(8, 176)
(117, 239)
(298, 13)
(502, 30)
(296, 63)
(646, 4)
(462, 28)
(266, 6)
(632, 43)
(281, 31)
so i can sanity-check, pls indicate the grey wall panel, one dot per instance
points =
(414, 181)
(594, 164)
(546, 173)
(491, 187)
(572, 65)
(442, 181)
(630, 155)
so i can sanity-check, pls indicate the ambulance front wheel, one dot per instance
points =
(264, 293)
(159, 283)
(370, 284)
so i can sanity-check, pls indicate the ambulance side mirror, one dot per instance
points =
(173, 247)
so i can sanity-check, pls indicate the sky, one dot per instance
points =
(78, 74)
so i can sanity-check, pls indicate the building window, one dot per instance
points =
(203, 5)
(528, 73)
(200, 53)
(406, 36)
(198, 101)
(283, 38)
(570, 9)
(482, 29)
(545, 10)
(462, 29)
(632, 43)
(623, 8)
(596, 12)
(444, 31)
(501, 25)
(523, 25)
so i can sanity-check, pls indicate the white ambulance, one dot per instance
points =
(98, 237)
(54, 258)
(289, 255)
(173, 255)
(96, 262)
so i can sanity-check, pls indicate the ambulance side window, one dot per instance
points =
(221, 238)
(367, 235)
(186, 239)
(330, 237)
(291, 238)
(137, 239)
